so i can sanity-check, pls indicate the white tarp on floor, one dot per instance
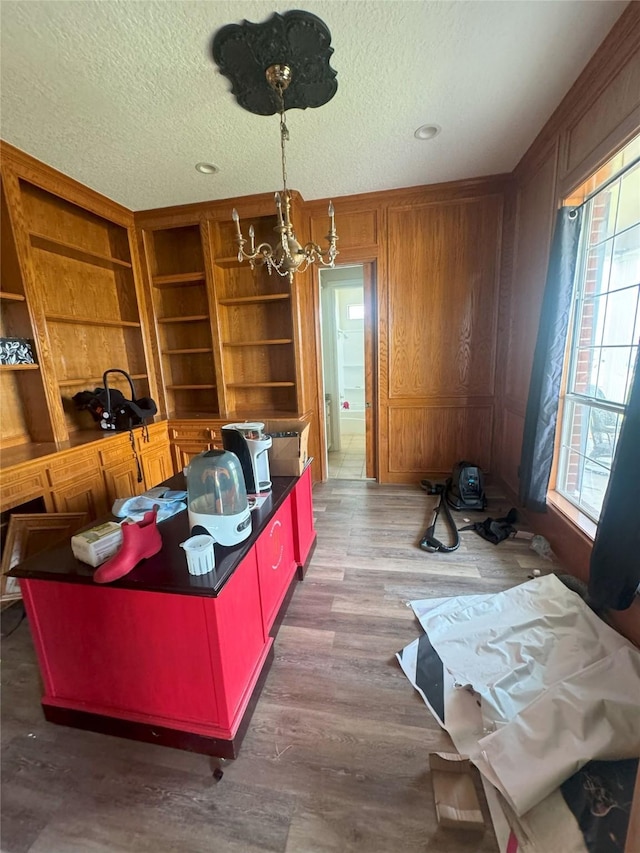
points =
(557, 687)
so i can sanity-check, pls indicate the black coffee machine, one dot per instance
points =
(250, 444)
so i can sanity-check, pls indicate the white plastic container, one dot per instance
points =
(96, 545)
(200, 555)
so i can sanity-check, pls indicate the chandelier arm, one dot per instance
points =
(264, 250)
(313, 251)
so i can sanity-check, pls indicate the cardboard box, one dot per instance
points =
(96, 545)
(455, 795)
(289, 453)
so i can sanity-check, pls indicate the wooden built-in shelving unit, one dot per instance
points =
(68, 286)
(181, 305)
(255, 317)
(25, 414)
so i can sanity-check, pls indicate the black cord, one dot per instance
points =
(429, 542)
(132, 440)
(16, 626)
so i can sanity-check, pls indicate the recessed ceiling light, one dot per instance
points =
(427, 131)
(207, 168)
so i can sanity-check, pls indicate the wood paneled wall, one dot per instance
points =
(600, 113)
(438, 256)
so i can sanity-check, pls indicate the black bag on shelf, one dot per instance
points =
(111, 409)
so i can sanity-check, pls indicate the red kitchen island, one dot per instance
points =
(161, 655)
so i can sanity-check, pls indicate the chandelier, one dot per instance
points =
(288, 256)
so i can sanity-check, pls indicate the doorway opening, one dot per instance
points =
(344, 297)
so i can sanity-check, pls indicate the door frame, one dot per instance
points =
(369, 269)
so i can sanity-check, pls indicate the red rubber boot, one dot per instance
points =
(139, 540)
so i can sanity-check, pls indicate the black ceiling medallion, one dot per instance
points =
(297, 39)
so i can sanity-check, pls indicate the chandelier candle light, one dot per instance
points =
(288, 256)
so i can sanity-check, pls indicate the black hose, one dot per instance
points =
(429, 542)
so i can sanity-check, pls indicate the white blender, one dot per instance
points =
(250, 444)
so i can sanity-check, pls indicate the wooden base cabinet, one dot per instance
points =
(90, 477)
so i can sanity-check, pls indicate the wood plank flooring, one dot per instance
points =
(336, 756)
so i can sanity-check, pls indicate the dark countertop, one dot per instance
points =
(167, 570)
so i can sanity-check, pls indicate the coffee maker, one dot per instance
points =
(250, 444)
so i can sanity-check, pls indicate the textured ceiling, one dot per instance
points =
(122, 94)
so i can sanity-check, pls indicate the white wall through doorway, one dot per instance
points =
(342, 311)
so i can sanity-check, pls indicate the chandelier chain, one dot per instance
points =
(284, 136)
(288, 256)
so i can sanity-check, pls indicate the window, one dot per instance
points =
(604, 335)
(355, 312)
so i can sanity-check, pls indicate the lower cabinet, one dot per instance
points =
(122, 481)
(156, 465)
(25, 484)
(85, 494)
(276, 563)
(184, 451)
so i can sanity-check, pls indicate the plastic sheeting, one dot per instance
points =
(558, 686)
(592, 714)
(514, 645)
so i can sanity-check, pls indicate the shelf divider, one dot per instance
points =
(93, 380)
(261, 384)
(265, 342)
(77, 253)
(8, 367)
(194, 318)
(91, 321)
(191, 387)
(247, 300)
(180, 279)
(188, 351)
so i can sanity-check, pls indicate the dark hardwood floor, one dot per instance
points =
(336, 756)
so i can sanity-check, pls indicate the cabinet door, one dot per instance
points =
(82, 495)
(276, 563)
(122, 481)
(156, 466)
(22, 485)
(184, 451)
(304, 534)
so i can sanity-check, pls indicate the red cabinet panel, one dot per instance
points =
(237, 639)
(276, 563)
(304, 533)
(123, 650)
